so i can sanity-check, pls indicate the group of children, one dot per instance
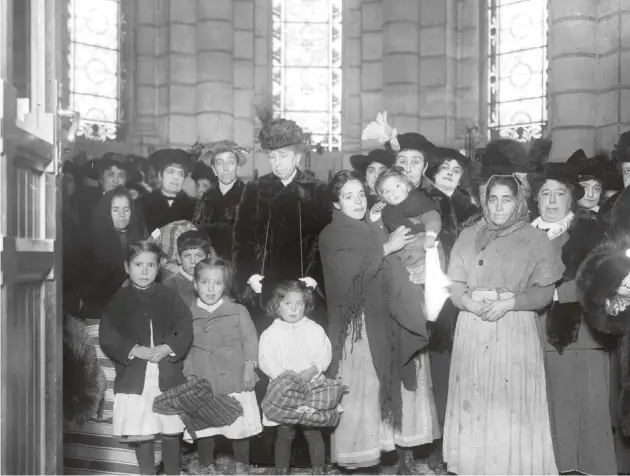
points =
(160, 334)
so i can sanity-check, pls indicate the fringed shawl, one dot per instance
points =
(361, 281)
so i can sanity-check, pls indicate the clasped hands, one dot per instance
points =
(488, 310)
(152, 354)
(306, 375)
(255, 282)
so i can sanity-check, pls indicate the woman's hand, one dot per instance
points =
(249, 377)
(159, 352)
(400, 238)
(429, 242)
(495, 310)
(475, 307)
(375, 212)
(141, 352)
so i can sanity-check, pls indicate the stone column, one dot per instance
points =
(401, 50)
(573, 97)
(355, 77)
(437, 70)
(371, 64)
(215, 69)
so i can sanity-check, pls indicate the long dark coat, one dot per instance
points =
(126, 322)
(270, 220)
(215, 215)
(157, 212)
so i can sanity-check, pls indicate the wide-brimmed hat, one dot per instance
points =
(412, 141)
(360, 162)
(212, 149)
(562, 172)
(160, 159)
(444, 154)
(597, 168)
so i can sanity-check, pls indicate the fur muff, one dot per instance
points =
(563, 323)
(84, 381)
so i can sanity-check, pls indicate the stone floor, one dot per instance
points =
(225, 465)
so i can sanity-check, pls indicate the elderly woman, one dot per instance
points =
(503, 270)
(578, 364)
(371, 166)
(375, 339)
(217, 209)
(115, 224)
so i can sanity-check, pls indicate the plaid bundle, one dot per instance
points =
(197, 406)
(292, 401)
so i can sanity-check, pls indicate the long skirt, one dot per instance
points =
(579, 393)
(94, 449)
(497, 414)
(361, 435)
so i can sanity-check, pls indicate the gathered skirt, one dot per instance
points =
(361, 435)
(497, 414)
(243, 427)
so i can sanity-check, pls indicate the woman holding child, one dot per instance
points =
(389, 405)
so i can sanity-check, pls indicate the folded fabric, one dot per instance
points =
(197, 406)
(292, 401)
(437, 285)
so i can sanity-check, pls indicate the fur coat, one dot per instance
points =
(157, 212)
(84, 381)
(599, 279)
(270, 219)
(564, 317)
(215, 215)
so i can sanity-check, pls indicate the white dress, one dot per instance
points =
(293, 346)
(133, 414)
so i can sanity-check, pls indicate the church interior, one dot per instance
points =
(84, 78)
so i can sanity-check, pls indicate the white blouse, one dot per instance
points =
(294, 346)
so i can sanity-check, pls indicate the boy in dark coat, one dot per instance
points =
(169, 203)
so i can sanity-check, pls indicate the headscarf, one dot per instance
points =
(517, 220)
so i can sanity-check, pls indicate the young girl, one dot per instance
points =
(146, 330)
(224, 352)
(294, 344)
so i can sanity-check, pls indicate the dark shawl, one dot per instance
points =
(416, 204)
(360, 280)
(107, 248)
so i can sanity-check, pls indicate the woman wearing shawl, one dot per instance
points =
(503, 270)
(577, 361)
(376, 334)
(115, 224)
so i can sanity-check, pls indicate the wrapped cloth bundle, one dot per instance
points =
(197, 406)
(292, 401)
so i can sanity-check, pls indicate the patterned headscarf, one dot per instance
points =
(518, 219)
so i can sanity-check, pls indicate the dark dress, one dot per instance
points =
(157, 212)
(106, 255)
(215, 215)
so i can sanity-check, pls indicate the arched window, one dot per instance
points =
(94, 60)
(306, 67)
(517, 68)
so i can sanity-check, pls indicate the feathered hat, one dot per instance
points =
(388, 137)
(212, 149)
(276, 133)
(621, 152)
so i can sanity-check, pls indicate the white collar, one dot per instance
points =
(291, 325)
(208, 308)
(286, 182)
(445, 192)
(594, 209)
(185, 274)
(556, 229)
(226, 188)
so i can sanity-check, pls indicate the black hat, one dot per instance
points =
(412, 141)
(621, 153)
(160, 159)
(560, 172)
(360, 162)
(444, 154)
(202, 171)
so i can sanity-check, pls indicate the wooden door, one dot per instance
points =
(30, 298)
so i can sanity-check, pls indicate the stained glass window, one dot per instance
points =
(94, 66)
(306, 67)
(517, 68)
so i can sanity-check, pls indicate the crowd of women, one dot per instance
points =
(524, 371)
